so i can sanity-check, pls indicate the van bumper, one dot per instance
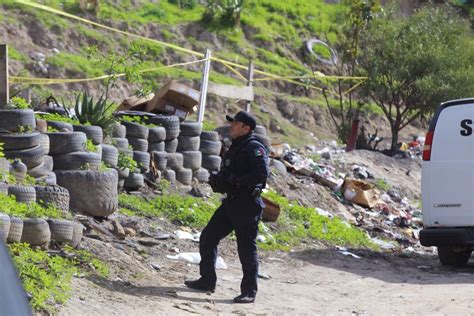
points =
(447, 236)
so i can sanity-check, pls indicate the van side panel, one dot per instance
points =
(448, 178)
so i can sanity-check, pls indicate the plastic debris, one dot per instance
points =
(195, 258)
(186, 235)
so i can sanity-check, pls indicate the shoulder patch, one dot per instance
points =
(259, 152)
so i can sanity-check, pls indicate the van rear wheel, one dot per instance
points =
(453, 256)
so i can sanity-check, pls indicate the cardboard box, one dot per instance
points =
(164, 106)
(271, 210)
(361, 193)
(135, 103)
(175, 98)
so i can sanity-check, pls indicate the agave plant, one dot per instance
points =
(95, 112)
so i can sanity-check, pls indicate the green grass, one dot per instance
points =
(32, 210)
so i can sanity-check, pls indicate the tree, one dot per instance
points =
(414, 63)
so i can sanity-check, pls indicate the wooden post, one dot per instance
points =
(249, 83)
(204, 84)
(4, 92)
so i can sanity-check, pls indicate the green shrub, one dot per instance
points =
(126, 162)
(184, 4)
(23, 210)
(19, 103)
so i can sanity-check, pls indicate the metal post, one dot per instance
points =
(204, 84)
(249, 83)
(4, 92)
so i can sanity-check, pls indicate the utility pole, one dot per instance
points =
(249, 83)
(204, 84)
(4, 92)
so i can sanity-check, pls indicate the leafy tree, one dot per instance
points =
(414, 63)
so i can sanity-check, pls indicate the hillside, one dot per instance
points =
(272, 34)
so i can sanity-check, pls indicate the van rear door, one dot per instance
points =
(449, 175)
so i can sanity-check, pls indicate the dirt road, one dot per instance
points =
(317, 281)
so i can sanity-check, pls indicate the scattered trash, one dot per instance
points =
(383, 244)
(264, 276)
(261, 238)
(156, 266)
(361, 193)
(186, 235)
(344, 251)
(195, 258)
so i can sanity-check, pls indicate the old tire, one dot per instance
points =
(157, 134)
(48, 163)
(15, 141)
(119, 131)
(210, 135)
(39, 171)
(278, 166)
(138, 144)
(211, 163)
(175, 161)
(93, 133)
(159, 159)
(31, 157)
(123, 173)
(84, 184)
(14, 120)
(450, 256)
(62, 230)
(201, 175)
(169, 175)
(169, 122)
(3, 188)
(156, 147)
(120, 143)
(44, 143)
(110, 155)
(36, 232)
(61, 126)
(65, 142)
(4, 226)
(184, 176)
(188, 143)
(78, 231)
(16, 229)
(49, 179)
(24, 194)
(209, 147)
(171, 146)
(77, 160)
(142, 159)
(136, 130)
(127, 152)
(56, 196)
(192, 159)
(190, 129)
(134, 181)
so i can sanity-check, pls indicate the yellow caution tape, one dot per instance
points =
(310, 77)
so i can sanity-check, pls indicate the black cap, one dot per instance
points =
(245, 118)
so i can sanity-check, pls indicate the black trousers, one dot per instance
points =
(223, 222)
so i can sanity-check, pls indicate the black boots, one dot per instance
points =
(199, 285)
(245, 298)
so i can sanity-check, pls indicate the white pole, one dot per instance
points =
(204, 84)
(4, 92)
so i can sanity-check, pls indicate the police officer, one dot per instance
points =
(242, 177)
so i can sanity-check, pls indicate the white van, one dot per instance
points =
(447, 183)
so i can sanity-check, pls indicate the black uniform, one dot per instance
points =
(243, 175)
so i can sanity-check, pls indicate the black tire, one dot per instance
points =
(171, 146)
(62, 230)
(93, 133)
(134, 181)
(211, 163)
(38, 171)
(121, 183)
(169, 122)
(36, 232)
(17, 120)
(18, 170)
(174, 161)
(138, 144)
(56, 196)
(120, 143)
(76, 161)
(30, 157)
(160, 159)
(3, 188)
(61, 126)
(278, 166)
(44, 143)
(16, 230)
(266, 141)
(24, 194)
(4, 226)
(48, 163)
(260, 130)
(78, 231)
(188, 143)
(169, 175)
(85, 184)
(110, 155)
(190, 129)
(136, 130)
(210, 135)
(156, 147)
(16, 141)
(123, 173)
(128, 152)
(184, 176)
(142, 159)
(201, 175)
(157, 134)
(450, 256)
(192, 159)
(119, 131)
(49, 179)
(209, 147)
(65, 143)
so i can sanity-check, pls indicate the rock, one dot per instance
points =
(149, 242)
(118, 230)
(155, 266)
(162, 236)
(130, 232)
